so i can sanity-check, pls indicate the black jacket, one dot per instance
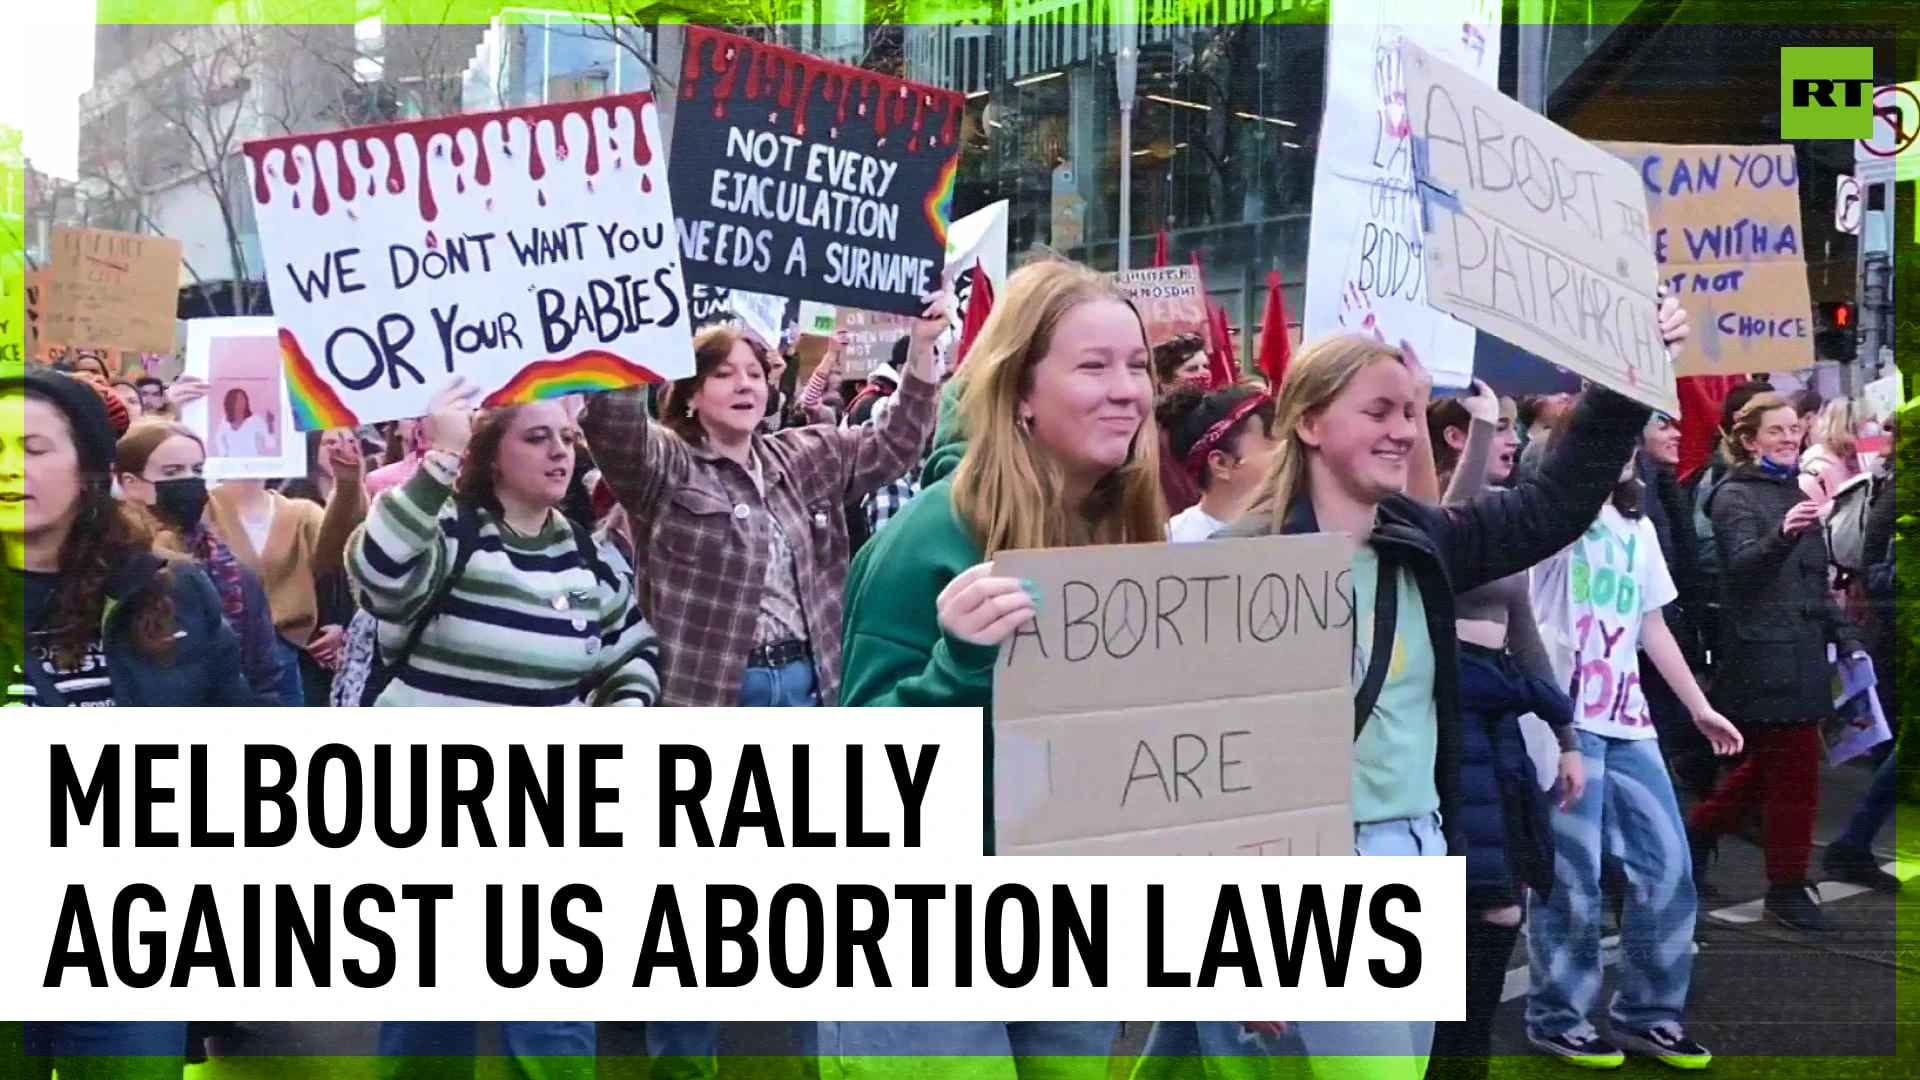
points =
(1777, 613)
(1671, 513)
(1505, 531)
(204, 668)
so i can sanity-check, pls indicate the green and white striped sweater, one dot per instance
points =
(527, 623)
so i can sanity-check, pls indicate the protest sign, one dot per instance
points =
(36, 296)
(870, 338)
(1366, 272)
(112, 289)
(528, 251)
(1171, 300)
(760, 313)
(817, 319)
(1535, 235)
(244, 421)
(1727, 237)
(1099, 748)
(797, 176)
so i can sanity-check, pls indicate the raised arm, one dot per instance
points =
(398, 557)
(346, 509)
(821, 380)
(640, 460)
(1470, 472)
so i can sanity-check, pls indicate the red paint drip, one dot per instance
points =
(560, 140)
(536, 169)
(321, 204)
(646, 182)
(459, 155)
(482, 168)
(429, 209)
(543, 198)
(348, 189)
(593, 150)
(262, 194)
(396, 180)
(460, 184)
(432, 240)
(366, 154)
(292, 168)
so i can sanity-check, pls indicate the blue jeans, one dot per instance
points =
(1392, 1050)
(441, 1050)
(109, 1050)
(1628, 810)
(1874, 809)
(292, 694)
(791, 686)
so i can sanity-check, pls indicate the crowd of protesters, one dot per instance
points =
(743, 537)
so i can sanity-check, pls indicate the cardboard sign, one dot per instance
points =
(1366, 271)
(36, 298)
(112, 289)
(1179, 699)
(796, 176)
(1535, 235)
(1172, 301)
(528, 251)
(817, 319)
(870, 338)
(1727, 236)
(244, 421)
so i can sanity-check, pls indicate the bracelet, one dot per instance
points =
(444, 464)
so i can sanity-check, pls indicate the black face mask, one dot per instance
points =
(181, 501)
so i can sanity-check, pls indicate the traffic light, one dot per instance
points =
(1834, 330)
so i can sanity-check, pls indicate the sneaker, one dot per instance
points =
(1797, 908)
(1580, 1045)
(1857, 867)
(1667, 1042)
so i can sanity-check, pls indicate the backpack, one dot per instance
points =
(1706, 551)
(1847, 523)
(466, 539)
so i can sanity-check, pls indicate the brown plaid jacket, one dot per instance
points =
(699, 529)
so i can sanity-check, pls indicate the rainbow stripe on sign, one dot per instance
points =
(940, 199)
(315, 405)
(588, 372)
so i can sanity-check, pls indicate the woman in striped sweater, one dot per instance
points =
(502, 599)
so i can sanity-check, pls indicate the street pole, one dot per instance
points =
(1126, 74)
(1531, 63)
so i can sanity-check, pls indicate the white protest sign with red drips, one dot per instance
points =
(530, 251)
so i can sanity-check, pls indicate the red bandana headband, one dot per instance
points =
(1196, 461)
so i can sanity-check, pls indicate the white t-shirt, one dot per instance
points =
(1192, 524)
(1615, 575)
(250, 439)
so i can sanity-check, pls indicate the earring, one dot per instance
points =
(1025, 424)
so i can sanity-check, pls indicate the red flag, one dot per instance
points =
(1276, 344)
(1223, 369)
(979, 306)
(1700, 399)
(1160, 251)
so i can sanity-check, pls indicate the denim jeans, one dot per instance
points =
(1874, 809)
(293, 694)
(108, 1050)
(1343, 1050)
(1628, 810)
(540, 1050)
(791, 686)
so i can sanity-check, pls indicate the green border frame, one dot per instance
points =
(1895, 14)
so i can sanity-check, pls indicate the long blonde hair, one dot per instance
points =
(1010, 494)
(1314, 378)
(1833, 431)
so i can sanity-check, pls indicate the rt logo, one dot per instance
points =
(1826, 93)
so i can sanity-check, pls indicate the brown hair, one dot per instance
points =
(1746, 424)
(474, 486)
(143, 438)
(105, 534)
(1171, 355)
(712, 347)
(1446, 413)
(1006, 490)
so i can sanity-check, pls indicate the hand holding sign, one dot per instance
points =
(450, 418)
(1673, 321)
(981, 609)
(1483, 404)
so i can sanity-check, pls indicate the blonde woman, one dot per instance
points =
(1349, 419)
(1061, 453)
(1832, 457)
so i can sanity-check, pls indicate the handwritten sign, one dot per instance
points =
(1366, 264)
(870, 338)
(1535, 235)
(1247, 751)
(36, 299)
(528, 251)
(759, 313)
(1728, 238)
(796, 176)
(112, 289)
(1171, 300)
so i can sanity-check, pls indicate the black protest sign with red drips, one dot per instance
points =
(799, 177)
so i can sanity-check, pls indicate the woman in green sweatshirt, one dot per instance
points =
(1057, 405)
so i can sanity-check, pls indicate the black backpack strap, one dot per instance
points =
(1386, 617)
(590, 554)
(466, 538)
